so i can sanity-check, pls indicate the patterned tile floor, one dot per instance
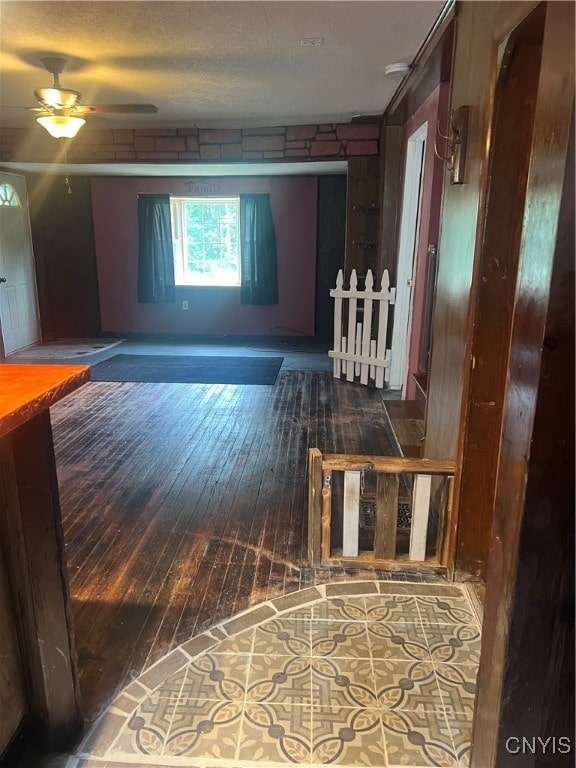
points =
(377, 673)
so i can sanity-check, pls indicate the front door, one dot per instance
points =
(18, 299)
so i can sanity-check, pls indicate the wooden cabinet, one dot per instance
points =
(12, 698)
(38, 677)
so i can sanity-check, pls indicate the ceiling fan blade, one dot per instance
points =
(39, 110)
(142, 109)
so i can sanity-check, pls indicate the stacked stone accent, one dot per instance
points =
(124, 145)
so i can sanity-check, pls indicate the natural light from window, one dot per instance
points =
(206, 239)
(9, 196)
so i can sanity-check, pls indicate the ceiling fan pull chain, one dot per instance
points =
(66, 179)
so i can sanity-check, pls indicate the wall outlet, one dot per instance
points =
(184, 305)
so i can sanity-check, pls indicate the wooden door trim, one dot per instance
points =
(525, 567)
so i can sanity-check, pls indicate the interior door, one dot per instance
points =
(407, 246)
(18, 297)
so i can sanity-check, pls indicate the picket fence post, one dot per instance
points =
(358, 354)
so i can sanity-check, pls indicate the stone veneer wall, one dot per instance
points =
(294, 142)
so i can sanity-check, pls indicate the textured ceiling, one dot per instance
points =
(212, 64)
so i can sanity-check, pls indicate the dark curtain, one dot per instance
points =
(155, 254)
(259, 282)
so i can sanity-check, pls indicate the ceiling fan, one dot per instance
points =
(62, 112)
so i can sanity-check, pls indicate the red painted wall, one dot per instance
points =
(432, 110)
(213, 311)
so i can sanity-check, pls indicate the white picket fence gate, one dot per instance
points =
(358, 354)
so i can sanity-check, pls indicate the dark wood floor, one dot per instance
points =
(184, 504)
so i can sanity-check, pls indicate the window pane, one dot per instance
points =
(9, 196)
(208, 251)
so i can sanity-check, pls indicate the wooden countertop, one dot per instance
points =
(27, 390)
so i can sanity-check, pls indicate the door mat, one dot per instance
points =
(64, 349)
(188, 369)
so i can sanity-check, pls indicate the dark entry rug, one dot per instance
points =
(187, 369)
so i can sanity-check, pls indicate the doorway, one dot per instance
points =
(18, 296)
(409, 226)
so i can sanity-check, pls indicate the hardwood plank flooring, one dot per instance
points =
(184, 504)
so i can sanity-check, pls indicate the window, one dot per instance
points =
(205, 233)
(9, 196)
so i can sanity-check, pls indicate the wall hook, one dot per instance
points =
(439, 132)
(456, 144)
(439, 156)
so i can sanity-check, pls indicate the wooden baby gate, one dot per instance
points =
(431, 483)
(358, 354)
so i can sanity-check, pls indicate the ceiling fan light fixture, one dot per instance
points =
(61, 126)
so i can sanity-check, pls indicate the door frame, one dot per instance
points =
(527, 614)
(34, 316)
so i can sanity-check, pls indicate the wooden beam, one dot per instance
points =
(447, 527)
(489, 331)
(314, 506)
(400, 565)
(420, 515)
(386, 516)
(326, 517)
(347, 462)
(351, 513)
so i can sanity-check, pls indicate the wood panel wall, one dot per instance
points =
(479, 28)
(470, 85)
(493, 289)
(390, 175)
(330, 248)
(362, 215)
(433, 68)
